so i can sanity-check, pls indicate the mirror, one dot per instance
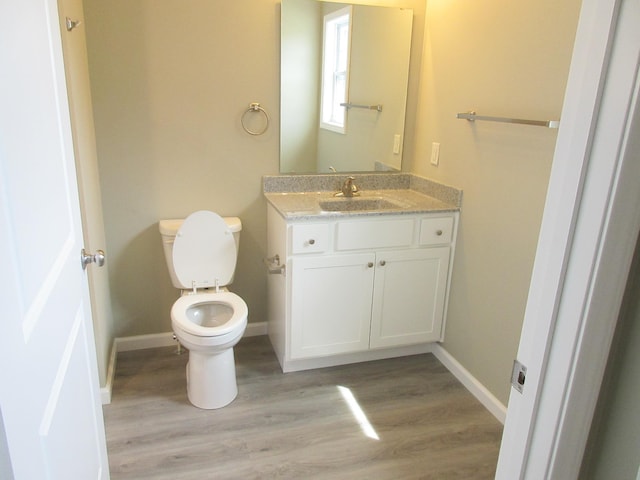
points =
(375, 88)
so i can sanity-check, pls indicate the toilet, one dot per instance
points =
(208, 320)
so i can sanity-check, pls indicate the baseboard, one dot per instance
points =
(484, 396)
(105, 392)
(255, 329)
(141, 342)
(105, 395)
(165, 339)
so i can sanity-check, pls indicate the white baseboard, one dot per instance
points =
(105, 392)
(255, 329)
(165, 339)
(154, 340)
(484, 396)
(141, 342)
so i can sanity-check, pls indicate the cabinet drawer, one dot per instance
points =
(436, 231)
(374, 234)
(309, 238)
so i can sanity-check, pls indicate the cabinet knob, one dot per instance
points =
(438, 232)
(382, 263)
(370, 264)
(312, 241)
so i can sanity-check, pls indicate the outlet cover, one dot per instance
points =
(435, 153)
(396, 144)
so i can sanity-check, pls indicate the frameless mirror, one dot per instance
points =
(344, 74)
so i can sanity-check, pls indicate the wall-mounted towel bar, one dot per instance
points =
(368, 107)
(471, 116)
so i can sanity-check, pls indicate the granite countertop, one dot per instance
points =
(298, 197)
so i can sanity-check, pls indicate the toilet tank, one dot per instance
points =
(169, 228)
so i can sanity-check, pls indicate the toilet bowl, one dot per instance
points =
(207, 319)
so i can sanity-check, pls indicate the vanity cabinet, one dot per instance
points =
(357, 288)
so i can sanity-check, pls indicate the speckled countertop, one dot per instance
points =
(298, 197)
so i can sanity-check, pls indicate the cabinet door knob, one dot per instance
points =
(438, 232)
(311, 241)
(370, 264)
(382, 263)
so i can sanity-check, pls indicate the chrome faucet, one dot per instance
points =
(348, 189)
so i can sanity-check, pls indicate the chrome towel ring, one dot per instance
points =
(255, 107)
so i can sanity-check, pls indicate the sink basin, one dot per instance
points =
(357, 204)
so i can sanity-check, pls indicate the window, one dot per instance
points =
(335, 69)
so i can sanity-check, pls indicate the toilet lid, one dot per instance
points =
(204, 251)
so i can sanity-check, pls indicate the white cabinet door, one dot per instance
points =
(409, 296)
(331, 304)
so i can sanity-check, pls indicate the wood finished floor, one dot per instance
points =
(297, 425)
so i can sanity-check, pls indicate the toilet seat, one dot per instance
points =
(180, 313)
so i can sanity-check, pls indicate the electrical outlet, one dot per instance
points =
(396, 144)
(435, 153)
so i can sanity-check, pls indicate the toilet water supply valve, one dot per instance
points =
(179, 349)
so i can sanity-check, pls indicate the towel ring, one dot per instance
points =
(255, 107)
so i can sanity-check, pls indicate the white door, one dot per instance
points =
(52, 417)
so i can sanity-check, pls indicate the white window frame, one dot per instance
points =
(334, 118)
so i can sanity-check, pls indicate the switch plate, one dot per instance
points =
(435, 153)
(396, 144)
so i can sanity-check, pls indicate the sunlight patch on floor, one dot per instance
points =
(357, 413)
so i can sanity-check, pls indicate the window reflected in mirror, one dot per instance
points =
(335, 69)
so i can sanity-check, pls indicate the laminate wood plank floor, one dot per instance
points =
(298, 425)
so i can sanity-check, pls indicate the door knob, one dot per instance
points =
(382, 263)
(87, 258)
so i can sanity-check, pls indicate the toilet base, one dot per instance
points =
(211, 379)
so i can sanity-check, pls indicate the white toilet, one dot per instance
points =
(201, 253)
